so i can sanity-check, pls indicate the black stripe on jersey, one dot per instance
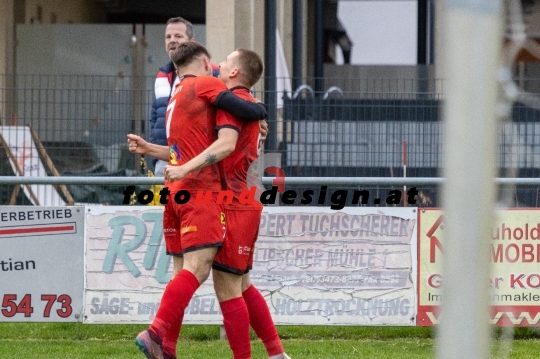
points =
(228, 126)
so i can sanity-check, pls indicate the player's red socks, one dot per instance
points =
(236, 323)
(174, 301)
(261, 321)
(171, 337)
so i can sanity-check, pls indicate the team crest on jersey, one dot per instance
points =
(222, 218)
(174, 154)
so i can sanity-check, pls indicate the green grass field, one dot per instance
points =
(75, 340)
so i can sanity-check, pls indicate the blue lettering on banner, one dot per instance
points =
(204, 306)
(351, 307)
(148, 308)
(121, 305)
(118, 248)
(108, 305)
(338, 224)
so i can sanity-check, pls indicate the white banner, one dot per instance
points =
(41, 263)
(22, 146)
(356, 266)
(127, 267)
(315, 266)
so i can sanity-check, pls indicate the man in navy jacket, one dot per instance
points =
(178, 31)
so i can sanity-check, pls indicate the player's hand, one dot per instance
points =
(136, 144)
(263, 126)
(174, 173)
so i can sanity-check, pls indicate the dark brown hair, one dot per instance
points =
(251, 64)
(187, 52)
(189, 26)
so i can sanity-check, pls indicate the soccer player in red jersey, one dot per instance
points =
(193, 231)
(240, 71)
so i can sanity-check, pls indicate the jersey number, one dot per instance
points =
(170, 109)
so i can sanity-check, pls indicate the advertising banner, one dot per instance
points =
(127, 267)
(41, 263)
(313, 265)
(514, 281)
(349, 267)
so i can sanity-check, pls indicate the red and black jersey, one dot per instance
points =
(234, 168)
(190, 127)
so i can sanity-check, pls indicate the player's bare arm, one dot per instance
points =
(263, 129)
(218, 150)
(137, 145)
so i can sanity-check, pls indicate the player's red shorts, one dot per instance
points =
(191, 226)
(236, 254)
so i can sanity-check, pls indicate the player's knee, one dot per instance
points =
(200, 262)
(199, 270)
(218, 280)
(178, 265)
(246, 282)
(227, 285)
(202, 273)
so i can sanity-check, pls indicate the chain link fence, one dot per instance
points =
(356, 128)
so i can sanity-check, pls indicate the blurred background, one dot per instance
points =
(349, 85)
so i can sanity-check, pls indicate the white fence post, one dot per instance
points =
(473, 43)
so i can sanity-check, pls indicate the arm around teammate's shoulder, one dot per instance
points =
(215, 91)
(243, 109)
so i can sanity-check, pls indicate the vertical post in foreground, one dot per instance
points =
(473, 36)
(138, 85)
(319, 48)
(297, 44)
(270, 87)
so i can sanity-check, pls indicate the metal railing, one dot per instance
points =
(296, 181)
(354, 129)
(522, 192)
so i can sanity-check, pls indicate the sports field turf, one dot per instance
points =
(75, 340)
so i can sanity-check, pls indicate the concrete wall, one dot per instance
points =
(240, 23)
(234, 23)
(14, 12)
